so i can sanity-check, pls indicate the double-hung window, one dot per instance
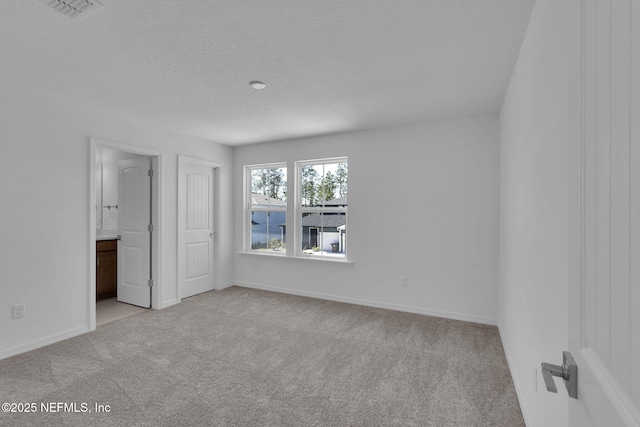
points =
(319, 227)
(266, 208)
(321, 208)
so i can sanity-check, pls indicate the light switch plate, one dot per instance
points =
(18, 311)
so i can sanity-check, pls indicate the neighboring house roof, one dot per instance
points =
(318, 220)
(262, 200)
(340, 201)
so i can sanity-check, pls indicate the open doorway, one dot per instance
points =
(125, 229)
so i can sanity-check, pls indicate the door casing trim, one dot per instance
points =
(182, 160)
(156, 208)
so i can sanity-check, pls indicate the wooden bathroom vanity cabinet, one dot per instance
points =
(106, 268)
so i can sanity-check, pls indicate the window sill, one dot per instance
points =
(300, 258)
(265, 253)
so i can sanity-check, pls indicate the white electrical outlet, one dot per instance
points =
(405, 280)
(18, 311)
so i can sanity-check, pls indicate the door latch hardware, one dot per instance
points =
(568, 372)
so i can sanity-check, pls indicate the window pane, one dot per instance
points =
(269, 187)
(323, 184)
(268, 230)
(324, 234)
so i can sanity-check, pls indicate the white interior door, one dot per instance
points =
(134, 219)
(197, 234)
(605, 314)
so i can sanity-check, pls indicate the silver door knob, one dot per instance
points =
(568, 372)
(212, 234)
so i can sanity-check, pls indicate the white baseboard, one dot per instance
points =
(378, 304)
(167, 303)
(41, 342)
(516, 382)
(225, 286)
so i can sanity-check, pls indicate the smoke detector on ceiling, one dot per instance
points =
(74, 9)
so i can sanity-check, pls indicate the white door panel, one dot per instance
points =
(198, 255)
(134, 218)
(605, 321)
(196, 212)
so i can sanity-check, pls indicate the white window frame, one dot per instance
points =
(248, 209)
(299, 210)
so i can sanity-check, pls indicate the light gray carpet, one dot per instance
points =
(243, 357)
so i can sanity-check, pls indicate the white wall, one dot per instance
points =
(423, 202)
(44, 163)
(535, 132)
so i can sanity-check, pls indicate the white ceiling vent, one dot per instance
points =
(74, 9)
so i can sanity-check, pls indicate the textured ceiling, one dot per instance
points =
(330, 66)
